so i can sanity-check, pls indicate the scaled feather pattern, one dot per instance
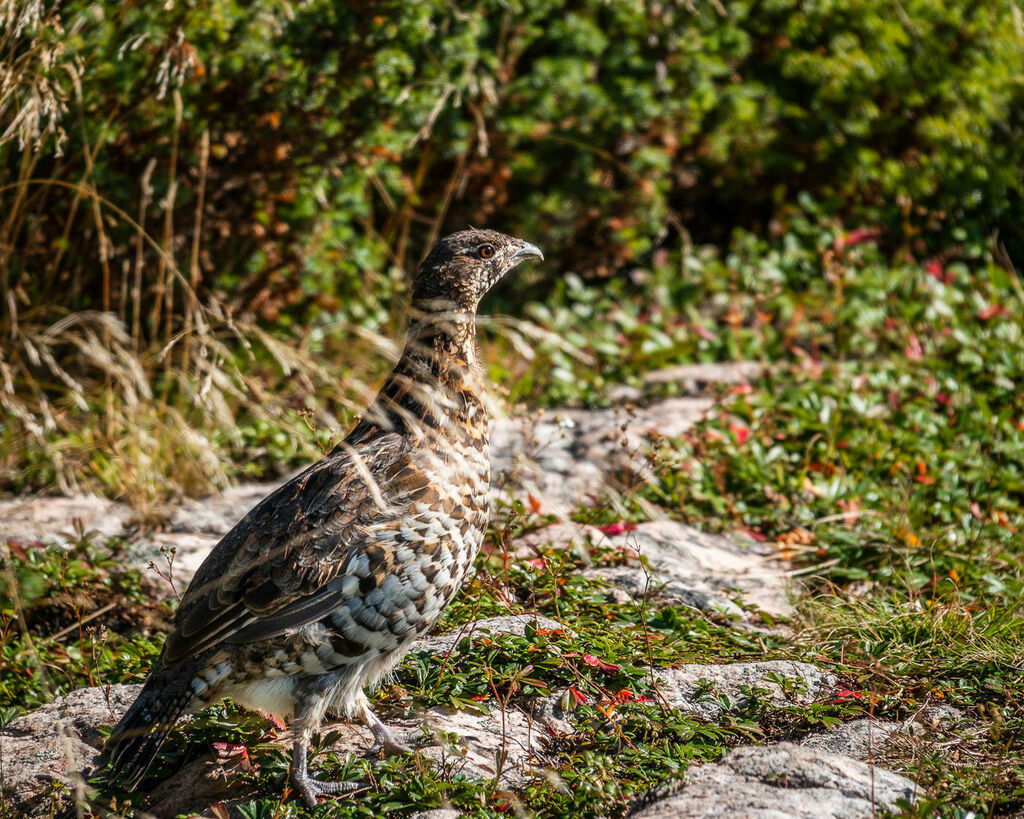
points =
(324, 585)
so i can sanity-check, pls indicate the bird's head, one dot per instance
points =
(462, 267)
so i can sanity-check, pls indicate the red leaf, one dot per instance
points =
(855, 237)
(922, 475)
(990, 312)
(756, 535)
(590, 659)
(933, 267)
(579, 696)
(625, 695)
(278, 722)
(231, 750)
(741, 433)
(845, 694)
(704, 333)
(914, 350)
(617, 528)
(17, 550)
(860, 236)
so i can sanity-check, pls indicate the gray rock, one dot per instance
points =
(51, 518)
(561, 459)
(216, 514)
(54, 742)
(691, 379)
(696, 378)
(190, 550)
(193, 789)
(870, 739)
(50, 744)
(688, 566)
(193, 529)
(863, 739)
(699, 689)
(561, 535)
(696, 594)
(507, 746)
(784, 782)
(935, 716)
(548, 712)
(710, 565)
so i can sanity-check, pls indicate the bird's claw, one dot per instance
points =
(388, 749)
(311, 788)
(391, 744)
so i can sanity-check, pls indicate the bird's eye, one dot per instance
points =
(485, 251)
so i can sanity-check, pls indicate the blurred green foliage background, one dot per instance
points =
(221, 175)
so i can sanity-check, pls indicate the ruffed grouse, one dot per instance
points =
(321, 589)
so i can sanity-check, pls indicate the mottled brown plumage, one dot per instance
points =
(324, 585)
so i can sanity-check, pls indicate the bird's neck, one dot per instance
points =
(436, 386)
(447, 338)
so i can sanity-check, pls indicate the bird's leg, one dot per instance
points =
(384, 739)
(309, 787)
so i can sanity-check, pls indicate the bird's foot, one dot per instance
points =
(391, 744)
(311, 788)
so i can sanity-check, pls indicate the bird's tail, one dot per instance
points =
(136, 740)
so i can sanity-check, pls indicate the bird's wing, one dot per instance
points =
(302, 551)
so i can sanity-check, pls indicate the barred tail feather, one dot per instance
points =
(136, 740)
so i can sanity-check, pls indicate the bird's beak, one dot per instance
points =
(527, 251)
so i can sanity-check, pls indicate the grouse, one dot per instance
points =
(323, 586)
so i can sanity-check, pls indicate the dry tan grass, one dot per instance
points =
(134, 398)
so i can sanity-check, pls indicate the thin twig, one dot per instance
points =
(145, 198)
(204, 157)
(163, 282)
(98, 613)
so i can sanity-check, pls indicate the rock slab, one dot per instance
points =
(56, 740)
(706, 690)
(870, 739)
(687, 566)
(784, 781)
(579, 455)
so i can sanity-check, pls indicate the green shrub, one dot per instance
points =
(200, 169)
(339, 136)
